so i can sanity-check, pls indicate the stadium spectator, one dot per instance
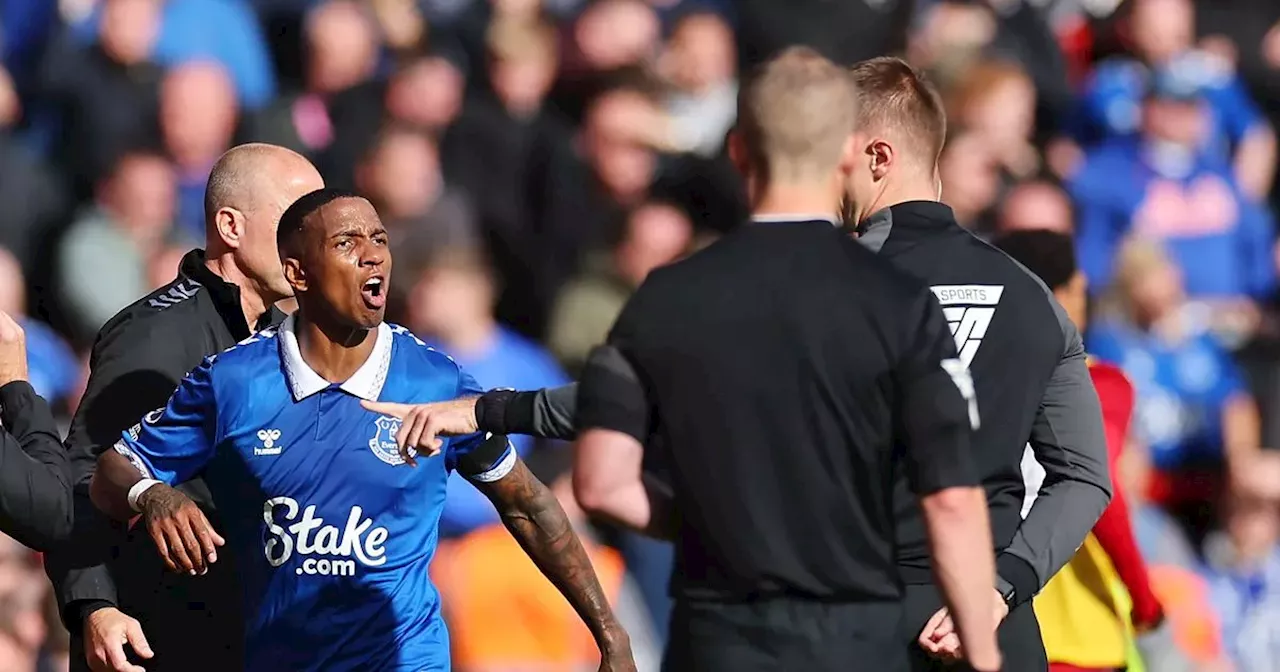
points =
(483, 575)
(451, 307)
(32, 191)
(225, 32)
(700, 65)
(970, 176)
(996, 100)
(656, 234)
(198, 116)
(1035, 205)
(103, 258)
(1165, 188)
(402, 177)
(1194, 412)
(53, 369)
(1161, 34)
(1244, 562)
(107, 95)
(341, 48)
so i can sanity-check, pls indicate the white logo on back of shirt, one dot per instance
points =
(969, 310)
(268, 437)
(341, 548)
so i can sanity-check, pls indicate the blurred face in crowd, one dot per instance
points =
(142, 195)
(402, 175)
(522, 66)
(1253, 508)
(617, 33)
(342, 47)
(1161, 29)
(427, 93)
(451, 296)
(10, 105)
(1000, 104)
(657, 234)
(1150, 283)
(970, 180)
(13, 285)
(700, 53)
(622, 162)
(1179, 122)
(197, 114)
(520, 10)
(129, 29)
(340, 252)
(1036, 206)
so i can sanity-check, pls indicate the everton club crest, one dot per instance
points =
(383, 444)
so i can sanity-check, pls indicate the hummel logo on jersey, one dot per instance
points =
(268, 437)
(357, 541)
(968, 309)
(176, 294)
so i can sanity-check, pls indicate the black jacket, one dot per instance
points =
(138, 359)
(35, 494)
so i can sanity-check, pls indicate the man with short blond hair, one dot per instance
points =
(893, 98)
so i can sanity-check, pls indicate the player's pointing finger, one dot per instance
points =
(387, 408)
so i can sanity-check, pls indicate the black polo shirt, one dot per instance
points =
(778, 366)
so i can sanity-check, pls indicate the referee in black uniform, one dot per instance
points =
(788, 374)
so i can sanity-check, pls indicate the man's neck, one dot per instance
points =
(252, 303)
(895, 194)
(333, 352)
(796, 199)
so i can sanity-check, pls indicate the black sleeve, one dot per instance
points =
(611, 395)
(547, 414)
(134, 368)
(35, 493)
(935, 403)
(1070, 443)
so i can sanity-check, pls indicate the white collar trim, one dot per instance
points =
(366, 383)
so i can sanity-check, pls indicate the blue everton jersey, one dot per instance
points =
(331, 532)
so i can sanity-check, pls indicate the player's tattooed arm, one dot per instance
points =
(534, 517)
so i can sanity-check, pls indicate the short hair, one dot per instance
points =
(1048, 254)
(895, 97)
(293, 221)
(795, 113)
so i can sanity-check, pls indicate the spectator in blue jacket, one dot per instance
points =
(1161, 34)
(1162, 186)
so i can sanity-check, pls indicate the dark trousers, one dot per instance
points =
(1019, 635)
(785, 635)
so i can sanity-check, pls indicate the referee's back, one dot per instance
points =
(773, 362)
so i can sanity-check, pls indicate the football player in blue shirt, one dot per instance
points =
(331, 533)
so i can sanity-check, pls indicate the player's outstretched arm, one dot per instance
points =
(534, 517)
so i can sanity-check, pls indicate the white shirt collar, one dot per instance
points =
(796, 217)
(365, 383)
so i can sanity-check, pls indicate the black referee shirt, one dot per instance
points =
(1028, 365)
(779, 365)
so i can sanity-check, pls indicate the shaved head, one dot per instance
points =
(249, 189)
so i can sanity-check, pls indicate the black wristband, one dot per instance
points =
(505, 412)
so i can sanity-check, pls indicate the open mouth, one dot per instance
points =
(374, 292)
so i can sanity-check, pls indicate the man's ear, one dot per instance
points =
(882, 156)
(294, 275)
(230, 224)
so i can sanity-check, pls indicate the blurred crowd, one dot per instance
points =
(535, 159)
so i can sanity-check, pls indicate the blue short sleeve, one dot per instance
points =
(172, 444)
(480, 457)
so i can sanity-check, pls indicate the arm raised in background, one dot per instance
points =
(35, 493)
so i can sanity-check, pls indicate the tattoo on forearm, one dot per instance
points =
(534, 517)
